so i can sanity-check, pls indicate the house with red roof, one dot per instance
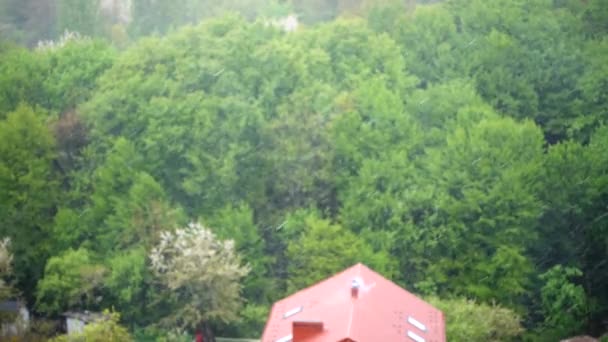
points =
(356, 305)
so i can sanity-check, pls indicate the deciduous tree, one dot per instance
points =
(202, 277)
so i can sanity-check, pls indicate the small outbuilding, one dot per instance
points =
(356, 305)
(16, 318)
(76, 321)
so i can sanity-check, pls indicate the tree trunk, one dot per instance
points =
(205, 329)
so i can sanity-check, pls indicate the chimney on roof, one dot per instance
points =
(304, 330)
(354, 288)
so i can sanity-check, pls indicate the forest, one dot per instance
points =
(184, 164)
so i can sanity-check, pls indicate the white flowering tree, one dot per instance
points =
(5, 267)
(201, 276)
(63, 40)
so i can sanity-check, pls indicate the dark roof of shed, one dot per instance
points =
(10, 306)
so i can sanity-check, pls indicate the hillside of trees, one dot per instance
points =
(458, 147)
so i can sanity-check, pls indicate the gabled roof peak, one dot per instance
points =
(356, 305)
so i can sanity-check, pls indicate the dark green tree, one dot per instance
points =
(82, 16)
(27, 21)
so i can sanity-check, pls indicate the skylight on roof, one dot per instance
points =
(411, 320)
(415, 337)
(293, 312)
(287, 338)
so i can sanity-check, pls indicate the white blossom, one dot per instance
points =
(192, 262)
(66, 37)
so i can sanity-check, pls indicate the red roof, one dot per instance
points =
(356, 305)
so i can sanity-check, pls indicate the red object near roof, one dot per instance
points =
(356, 305)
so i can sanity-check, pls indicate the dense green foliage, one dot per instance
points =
(107, 329)
(457, 147)
(478, 322)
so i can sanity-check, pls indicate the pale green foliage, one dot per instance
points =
(70, 280)
(57, 77)
(446, 106)
(107, 329)
(468, 320)
(202, 276)
(321, 249)
(29, 190)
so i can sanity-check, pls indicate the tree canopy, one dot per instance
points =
(458, 147)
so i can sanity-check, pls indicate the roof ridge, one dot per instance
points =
(352, 303)
(337, 275)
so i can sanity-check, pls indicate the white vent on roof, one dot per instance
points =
(287, 338)
(415, 337)
(411, 320)
(293, 312)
